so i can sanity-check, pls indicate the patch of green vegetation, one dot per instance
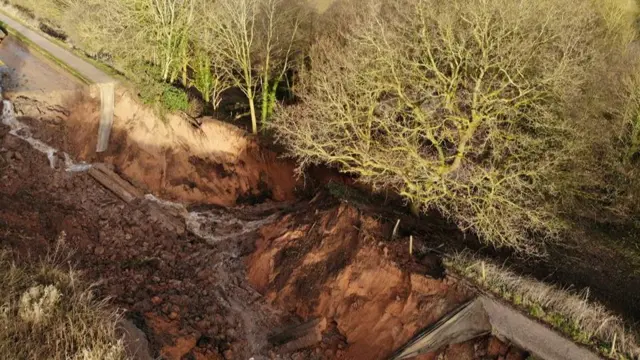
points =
(568, 327)
(175, 99)
(517, 299)
(536, 311)
(161, 96)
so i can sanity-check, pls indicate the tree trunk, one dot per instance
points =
(254, 118)
(165, 71)
(265, 100)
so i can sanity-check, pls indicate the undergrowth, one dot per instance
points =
(175, 99)
(570, 312)
(49, 313)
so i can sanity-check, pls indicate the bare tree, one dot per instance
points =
(168, 24)
(282, 35)
(232, 25)
(255, 39)
(476, 108)
(138, 31)
(210, 78)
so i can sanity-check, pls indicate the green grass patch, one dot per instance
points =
(175, 99)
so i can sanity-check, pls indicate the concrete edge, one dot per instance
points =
(466, 322)
(534, 336)
(485, 315)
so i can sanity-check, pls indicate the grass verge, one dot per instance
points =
(568, 311)
(49, 313)
(150, 91)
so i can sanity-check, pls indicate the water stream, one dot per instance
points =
(216, 226)
(22, 131)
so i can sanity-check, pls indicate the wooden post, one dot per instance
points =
(395, 230)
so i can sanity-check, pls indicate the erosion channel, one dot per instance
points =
(232, 258)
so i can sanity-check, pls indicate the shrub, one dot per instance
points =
(49, 313)
(486, 110)
(175, 99)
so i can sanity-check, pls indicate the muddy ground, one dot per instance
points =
(194, 297)
(187, 295)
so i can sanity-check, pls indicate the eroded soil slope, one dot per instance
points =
(189, 293)
(331, 262)
(215, 163)
(189, 296)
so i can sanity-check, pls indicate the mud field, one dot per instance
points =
(250, 260)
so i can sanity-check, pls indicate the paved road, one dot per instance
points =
(87, 70)
(105, 83)
(32, 75)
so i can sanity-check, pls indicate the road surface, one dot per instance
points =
(82, 67)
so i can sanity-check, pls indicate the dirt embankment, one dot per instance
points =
(214, 164)
(328, 262)
(189, 297)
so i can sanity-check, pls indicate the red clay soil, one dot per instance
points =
(331, 264)
(191, 298)
(216, 164)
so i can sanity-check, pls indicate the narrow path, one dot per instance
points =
(78, 67)
(28, 75)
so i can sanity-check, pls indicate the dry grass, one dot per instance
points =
(48, 313)
(570, 312)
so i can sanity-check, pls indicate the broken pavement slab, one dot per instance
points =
(299, 336)
(531, 335)
(466, 322)
(135, 341)
(114, 183)
(487, 315)
(170, 219)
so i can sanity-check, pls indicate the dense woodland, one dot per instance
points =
(517, 119)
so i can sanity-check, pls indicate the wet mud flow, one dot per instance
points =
(185, 288)
(214, 282)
